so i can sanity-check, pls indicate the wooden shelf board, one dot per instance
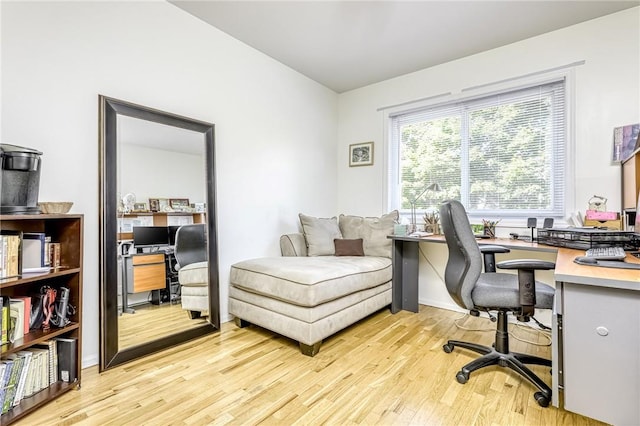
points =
(35, 401)
(28, 278)
(37, 336)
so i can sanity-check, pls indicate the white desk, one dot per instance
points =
(596, 328)
(596, 340)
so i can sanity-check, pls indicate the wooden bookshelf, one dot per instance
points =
(67, 229)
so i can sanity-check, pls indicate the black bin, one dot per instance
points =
(19, 179)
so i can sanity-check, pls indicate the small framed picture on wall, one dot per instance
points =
(179, 204)
(163, 205)
(361, 154)
(140, 207)
(154, 204)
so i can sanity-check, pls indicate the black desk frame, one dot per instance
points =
(405, 259)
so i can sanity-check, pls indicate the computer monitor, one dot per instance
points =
(150, 236)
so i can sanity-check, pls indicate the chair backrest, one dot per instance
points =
(464, 265)
(191, 244)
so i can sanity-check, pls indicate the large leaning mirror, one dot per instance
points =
(157, 217)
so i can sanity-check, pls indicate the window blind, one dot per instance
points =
(500, 155)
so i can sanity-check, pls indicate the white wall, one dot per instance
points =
(156, 173)
(606, 95)
(275, 129)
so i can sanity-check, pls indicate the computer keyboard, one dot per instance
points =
(606, 253)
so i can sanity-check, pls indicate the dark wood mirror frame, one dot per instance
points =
(109, 109)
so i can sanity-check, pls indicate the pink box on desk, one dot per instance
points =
(596, 215)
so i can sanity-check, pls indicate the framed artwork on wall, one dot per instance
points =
(361, 154)
(140, 207)
(626, 139)
(179, 204)
(163, 205)
(154, 204)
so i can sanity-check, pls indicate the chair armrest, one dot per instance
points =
(527, 281)
(491, 248)
(489, 254)
(293, 245)
(526, 264)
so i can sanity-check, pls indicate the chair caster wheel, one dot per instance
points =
(447, 348)
(541, 399)
(462, 378)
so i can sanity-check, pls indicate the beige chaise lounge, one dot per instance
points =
(330, 276)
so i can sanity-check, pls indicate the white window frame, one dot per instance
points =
(468, 94)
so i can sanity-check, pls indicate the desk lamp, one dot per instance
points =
(435, 187)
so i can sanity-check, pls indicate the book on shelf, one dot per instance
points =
(27, 310)
(4, 300)
(29, 371)
(52, 354)
(67, 357)
(26, 369)
(5, 366)
(10, 260)
(12, 383)
(40, 360)
(35, 252)
(16, 319)
(27, 389)
(26, 363)
(54, 255)
(67, 350)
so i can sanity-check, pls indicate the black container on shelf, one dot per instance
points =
(19, 179)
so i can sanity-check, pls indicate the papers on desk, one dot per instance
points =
(421, 234)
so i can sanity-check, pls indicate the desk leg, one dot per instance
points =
(405, 276)
(556, 347)
(125, 290)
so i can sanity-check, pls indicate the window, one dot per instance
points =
(501, 155)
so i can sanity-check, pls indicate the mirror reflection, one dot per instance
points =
(158, 251)
(161, 186)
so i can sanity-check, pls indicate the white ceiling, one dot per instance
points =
(349, 44)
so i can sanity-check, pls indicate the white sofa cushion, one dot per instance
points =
(302, 331)
(306, 314)
(319, 234)
(372, 230)
(194, 274)
(293, 245)
(310, 281)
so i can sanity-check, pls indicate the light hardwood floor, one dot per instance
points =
(151, 322)
(387, 369)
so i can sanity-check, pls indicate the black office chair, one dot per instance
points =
(490, 291)
(193, 269)
(191, 245)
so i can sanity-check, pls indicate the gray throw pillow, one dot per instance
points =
(372, 230)
(319, 234)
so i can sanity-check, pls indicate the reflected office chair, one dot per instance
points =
(193, 269)
(478, 291)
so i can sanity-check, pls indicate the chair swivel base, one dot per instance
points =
(513, 360)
